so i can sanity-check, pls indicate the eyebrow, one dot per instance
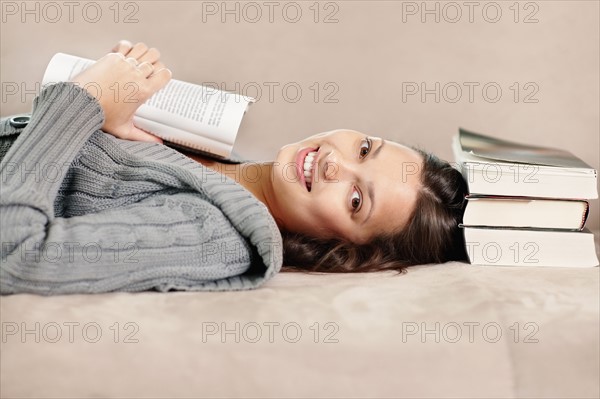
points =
(370, 185)
(376, 152)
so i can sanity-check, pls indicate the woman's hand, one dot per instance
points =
(122, 81)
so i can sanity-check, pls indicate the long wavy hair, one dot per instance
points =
(431, 236)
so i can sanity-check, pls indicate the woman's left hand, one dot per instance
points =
(122, 81)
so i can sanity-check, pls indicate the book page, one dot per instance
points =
(203, 110)
(63, 67)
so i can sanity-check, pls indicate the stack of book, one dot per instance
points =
(527, 205)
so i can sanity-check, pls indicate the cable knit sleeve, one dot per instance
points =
(168, 240)
(64, 116)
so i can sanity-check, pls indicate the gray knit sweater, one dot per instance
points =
(82, 211)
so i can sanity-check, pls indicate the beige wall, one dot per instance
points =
(362, 62)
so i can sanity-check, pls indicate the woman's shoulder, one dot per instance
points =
(171, 168)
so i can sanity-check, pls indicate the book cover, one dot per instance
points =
(508, 151)
(497, 167)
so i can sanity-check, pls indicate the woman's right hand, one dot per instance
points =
(122, 81)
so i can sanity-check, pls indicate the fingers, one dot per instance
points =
(146, 61)
(146, 68)
(159, 78)
(158, 66)
(139, 51)
(151, 56)
(132, 61)
(123, 47)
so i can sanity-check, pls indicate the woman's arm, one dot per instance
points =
(162, 242)
(64, 116)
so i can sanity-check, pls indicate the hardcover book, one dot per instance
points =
(526, 247)
(493, 166)
(525, 212)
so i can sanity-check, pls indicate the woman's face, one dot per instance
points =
(350, 185)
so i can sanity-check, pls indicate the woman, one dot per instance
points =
(86, 210)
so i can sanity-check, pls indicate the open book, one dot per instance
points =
(197, 118)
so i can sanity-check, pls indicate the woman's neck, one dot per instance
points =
(253, 176)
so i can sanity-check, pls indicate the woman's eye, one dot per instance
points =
(356, 201)
(365, 147)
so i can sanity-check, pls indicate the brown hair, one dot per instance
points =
(431, 236)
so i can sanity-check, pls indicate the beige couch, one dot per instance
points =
(451, 330)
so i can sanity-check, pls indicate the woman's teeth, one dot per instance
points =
(308, 162)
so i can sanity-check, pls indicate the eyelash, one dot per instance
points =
(369, 145)
(355, 210)
(368, 149)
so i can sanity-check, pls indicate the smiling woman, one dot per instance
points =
(358, 189)
(358, 203)
(129, 213)
(421, 229)
(343, 184)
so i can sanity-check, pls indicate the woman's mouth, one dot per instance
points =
(305, 166)
(308, 168)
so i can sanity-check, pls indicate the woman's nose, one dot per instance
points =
(334, 167)
(331, 170)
